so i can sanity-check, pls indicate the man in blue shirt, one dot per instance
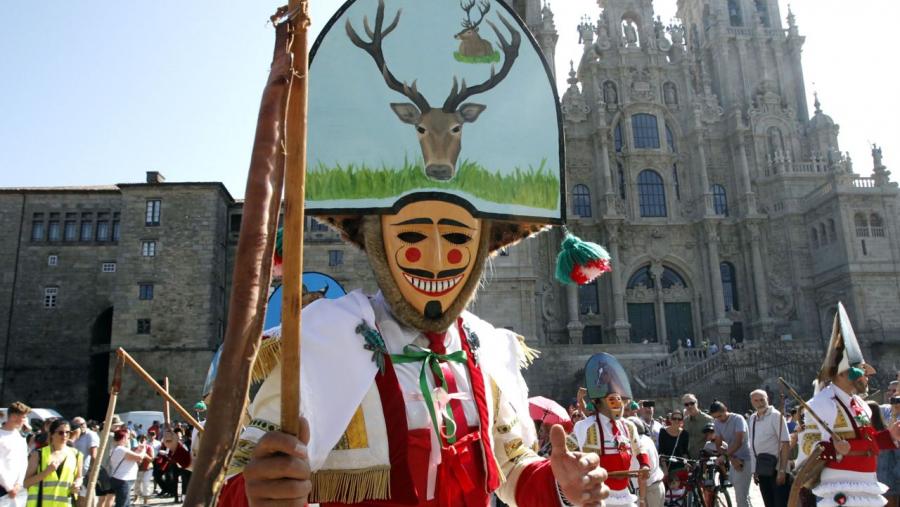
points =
(731, 429)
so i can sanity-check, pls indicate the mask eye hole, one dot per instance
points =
(411, 237)
(457, 238)
(420, 129)
(456, 129)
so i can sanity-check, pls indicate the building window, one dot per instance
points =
(581, 201)
(102, 226)
(865, 252)
(108, 267)
(670, 139)
(87, 227)
(316, 226)
(832, 231)
(617, 133)
(50, 295)
(652, 194)
(53, 260)
(641, 277)
(116, 228)
(720, 200)
(335, 257)
(70, 229)
(877, 225)
(762, 9)
(823, 236)
(143, 326)
(148, 248)
(815, 238)
(37, 227)
(862, 225)
(670, 279)
(234, 224)
(621, 182)
(592, 335)
(588, 301)
(734, 13)
(646, 131)
(729, 286)
(145, 291)
(154, 207)
(54, 231)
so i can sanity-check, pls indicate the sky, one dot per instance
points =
(98, 92)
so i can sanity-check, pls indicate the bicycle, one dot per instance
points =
(695, 485)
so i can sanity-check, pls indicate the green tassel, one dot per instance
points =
(279, 240)
(580, 261)
(856, 373)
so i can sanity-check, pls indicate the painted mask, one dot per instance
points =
(431, 249)
(615, 404)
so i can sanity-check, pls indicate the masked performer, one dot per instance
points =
(410, 399)
(851, 456)
(608, 434)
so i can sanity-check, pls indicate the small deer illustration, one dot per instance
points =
(439, 130)
(471, 44)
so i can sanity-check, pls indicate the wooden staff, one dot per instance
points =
(166, 415)
(94, 471)
(160, 389)
(251, 277)
(295, 191)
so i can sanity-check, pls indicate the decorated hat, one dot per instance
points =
(604, 375)
(414, 100)
(843, 353)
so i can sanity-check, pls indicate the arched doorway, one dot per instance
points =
(659, 306)
(98, 377)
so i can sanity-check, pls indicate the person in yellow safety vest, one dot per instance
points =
(54, 473)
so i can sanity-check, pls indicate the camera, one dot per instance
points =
(651, 403)
(895, 400)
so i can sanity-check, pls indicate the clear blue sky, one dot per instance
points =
(98, 92)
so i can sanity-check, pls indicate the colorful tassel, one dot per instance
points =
(856, 373)
(580, 262)
(279, 240)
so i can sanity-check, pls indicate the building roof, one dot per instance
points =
(50, 190)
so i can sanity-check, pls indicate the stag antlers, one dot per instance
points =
(460, 91)
(483, 7)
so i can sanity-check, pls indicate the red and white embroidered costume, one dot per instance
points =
(372, 438)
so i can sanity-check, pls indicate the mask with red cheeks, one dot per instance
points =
(431, 249)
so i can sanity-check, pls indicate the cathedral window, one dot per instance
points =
(862, 225)
(815, 238)
(762, 9)
(618, 137)
(729, 286)
(670, 139)
(832, 231)
(641, 277)
(588, 301)
(652, 193)
(646, 131)
(734, 13)
(720, 200)
(581, 201)
(621, 181)
(823, 235)
(671, 278)
(877, 225)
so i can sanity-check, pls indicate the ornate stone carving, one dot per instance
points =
(640, 294)
(676, 292)
(781, 297)
(642, 87)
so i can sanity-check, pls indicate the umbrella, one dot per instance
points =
(549, 412)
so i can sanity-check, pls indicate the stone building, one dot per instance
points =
(729, 210)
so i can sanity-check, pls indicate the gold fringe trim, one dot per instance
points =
(267, 359)
(351, 486)
(528, 354)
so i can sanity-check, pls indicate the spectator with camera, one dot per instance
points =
(770, 446)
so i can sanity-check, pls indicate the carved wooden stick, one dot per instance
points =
(252, 276)
(167, 417)
(163, 391)
(94, 471)
(295, 190)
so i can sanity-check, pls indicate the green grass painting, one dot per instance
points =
(533, 187)
(491, 58)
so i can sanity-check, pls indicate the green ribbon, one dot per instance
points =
(429, 359)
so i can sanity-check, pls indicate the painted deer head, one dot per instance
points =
(470, 28)
(439, 130)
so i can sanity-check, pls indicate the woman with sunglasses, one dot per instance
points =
(54, 472)
(673, 443)
(124, 464)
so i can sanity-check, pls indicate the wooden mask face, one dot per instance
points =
(431, 248)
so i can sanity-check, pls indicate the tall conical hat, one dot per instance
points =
(843, 352)
(604, 375)
(406, 106)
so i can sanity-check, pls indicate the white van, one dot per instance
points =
(143, 418)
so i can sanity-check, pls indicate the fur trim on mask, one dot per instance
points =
(405, 312)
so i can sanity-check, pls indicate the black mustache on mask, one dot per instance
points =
(422, 273)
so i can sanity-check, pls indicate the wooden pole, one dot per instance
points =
(166, 415)
(155, 385)
(294, 193)
(252, 275)
(94, 471)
